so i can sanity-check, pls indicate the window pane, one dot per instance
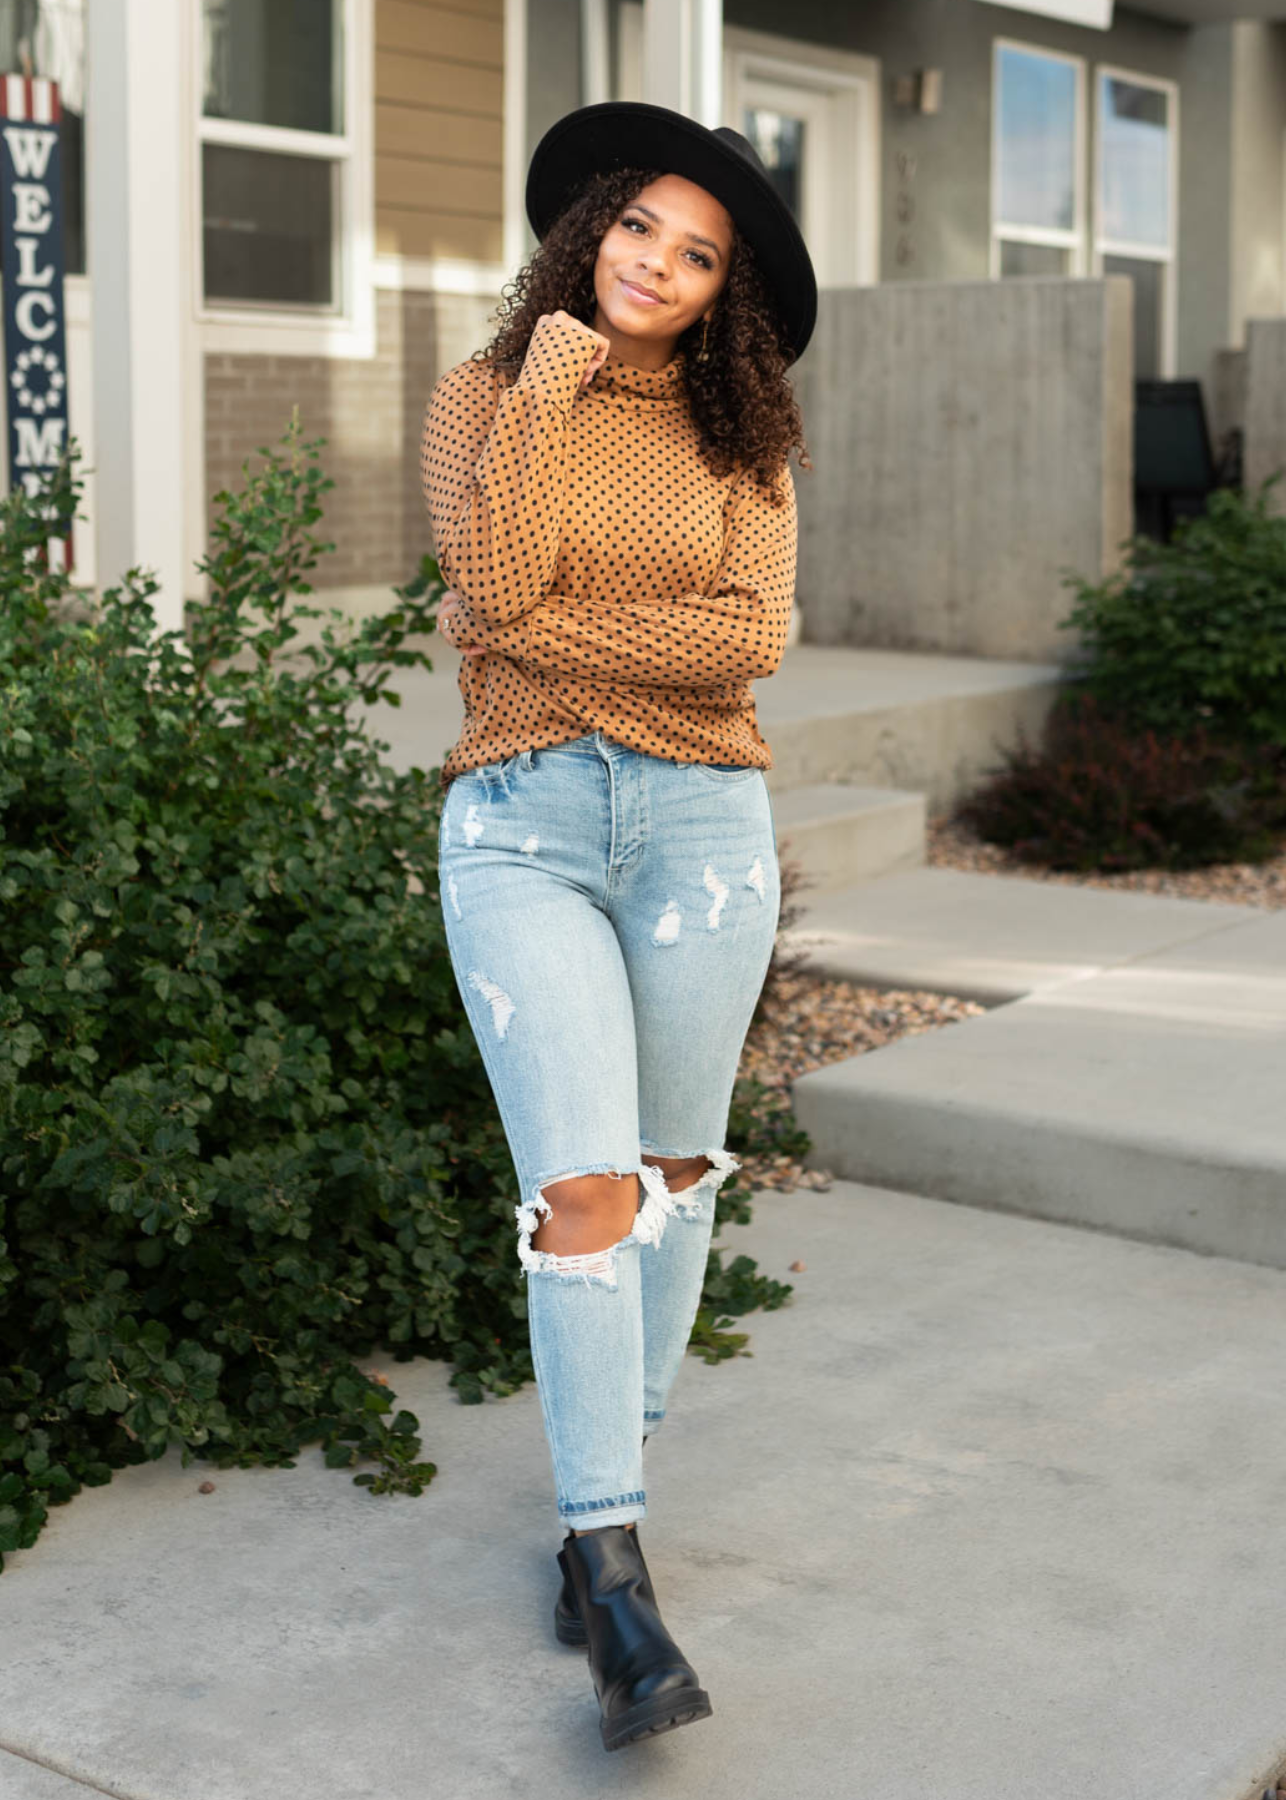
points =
(274, 62)
(779, 139)
(1032, 259)
(268, 226)
(1135, 151)
(1036, 101)
(1147, 311)
(51, 33)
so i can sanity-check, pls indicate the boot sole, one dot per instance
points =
(571, 1631)
(683, 1707)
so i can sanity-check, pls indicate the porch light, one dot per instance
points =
(921, 90)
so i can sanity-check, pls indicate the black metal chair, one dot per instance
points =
(1174, 465)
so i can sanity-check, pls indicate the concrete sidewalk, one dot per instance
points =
(993, 1512)
(992, 938)
(1135, 1082)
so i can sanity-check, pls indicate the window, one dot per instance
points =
(47, 38)
(1037, 187)
(779, 139)
(273, 152)
(284, 182)
(1135, 211)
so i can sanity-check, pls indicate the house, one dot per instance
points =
(273, 202)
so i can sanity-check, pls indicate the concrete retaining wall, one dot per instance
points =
(1265, 400)
(971, 440)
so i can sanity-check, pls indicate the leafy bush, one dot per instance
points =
(1167, 747)
(245, 1131)
(1101, 794)
(1193, 632)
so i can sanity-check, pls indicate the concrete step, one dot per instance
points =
(899, 719)
(1144, 1098)
(841, 833)
(989, 937)
(831, 713)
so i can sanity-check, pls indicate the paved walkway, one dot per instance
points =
(1136, 1081)
(993, 938)
(993, 1512)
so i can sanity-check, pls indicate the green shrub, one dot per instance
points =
(1193, 632)
(245, 1131)
(1100, 794)
(1167, 747)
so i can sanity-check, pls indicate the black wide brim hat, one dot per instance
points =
(620, 134)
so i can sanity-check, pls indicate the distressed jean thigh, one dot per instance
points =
(697, 920)
(539, 967)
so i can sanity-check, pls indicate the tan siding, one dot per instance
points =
(439, 128)
(399, 231)
(463, 35)
(430, 81)
(426, 184)
(429, 131)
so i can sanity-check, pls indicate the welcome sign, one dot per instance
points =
(31, 261)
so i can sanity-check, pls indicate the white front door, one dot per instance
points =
(813, 114)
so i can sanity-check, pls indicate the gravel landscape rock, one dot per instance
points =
(951, 845)
(810, 1020)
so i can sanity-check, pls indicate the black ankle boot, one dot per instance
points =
(643, 1681)
(569, 1627)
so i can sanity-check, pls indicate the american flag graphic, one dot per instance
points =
(29, 97)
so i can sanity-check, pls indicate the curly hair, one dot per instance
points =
(742, 403)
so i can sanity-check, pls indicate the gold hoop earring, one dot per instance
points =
(702, 353)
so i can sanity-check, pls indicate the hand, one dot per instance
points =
(604, 344)
(451, 628)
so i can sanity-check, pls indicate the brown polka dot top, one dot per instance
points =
(614, 581)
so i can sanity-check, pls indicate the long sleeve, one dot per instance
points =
(733, 634)
(494, 471)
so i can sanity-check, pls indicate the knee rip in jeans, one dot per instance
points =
(658, 1202)
(593, 1265)
(697, 1201)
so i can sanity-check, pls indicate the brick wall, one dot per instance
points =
(371, 414)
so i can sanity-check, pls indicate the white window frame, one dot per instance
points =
(1106, 246)
(348, 330)
(1075, 237)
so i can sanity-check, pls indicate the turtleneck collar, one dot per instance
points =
(650, 384)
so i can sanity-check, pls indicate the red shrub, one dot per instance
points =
(1101, 794)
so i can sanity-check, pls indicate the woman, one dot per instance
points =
(610, 499)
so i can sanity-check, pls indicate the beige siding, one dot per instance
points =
(439, 129)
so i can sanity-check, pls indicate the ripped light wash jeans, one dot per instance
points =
(610, 918)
